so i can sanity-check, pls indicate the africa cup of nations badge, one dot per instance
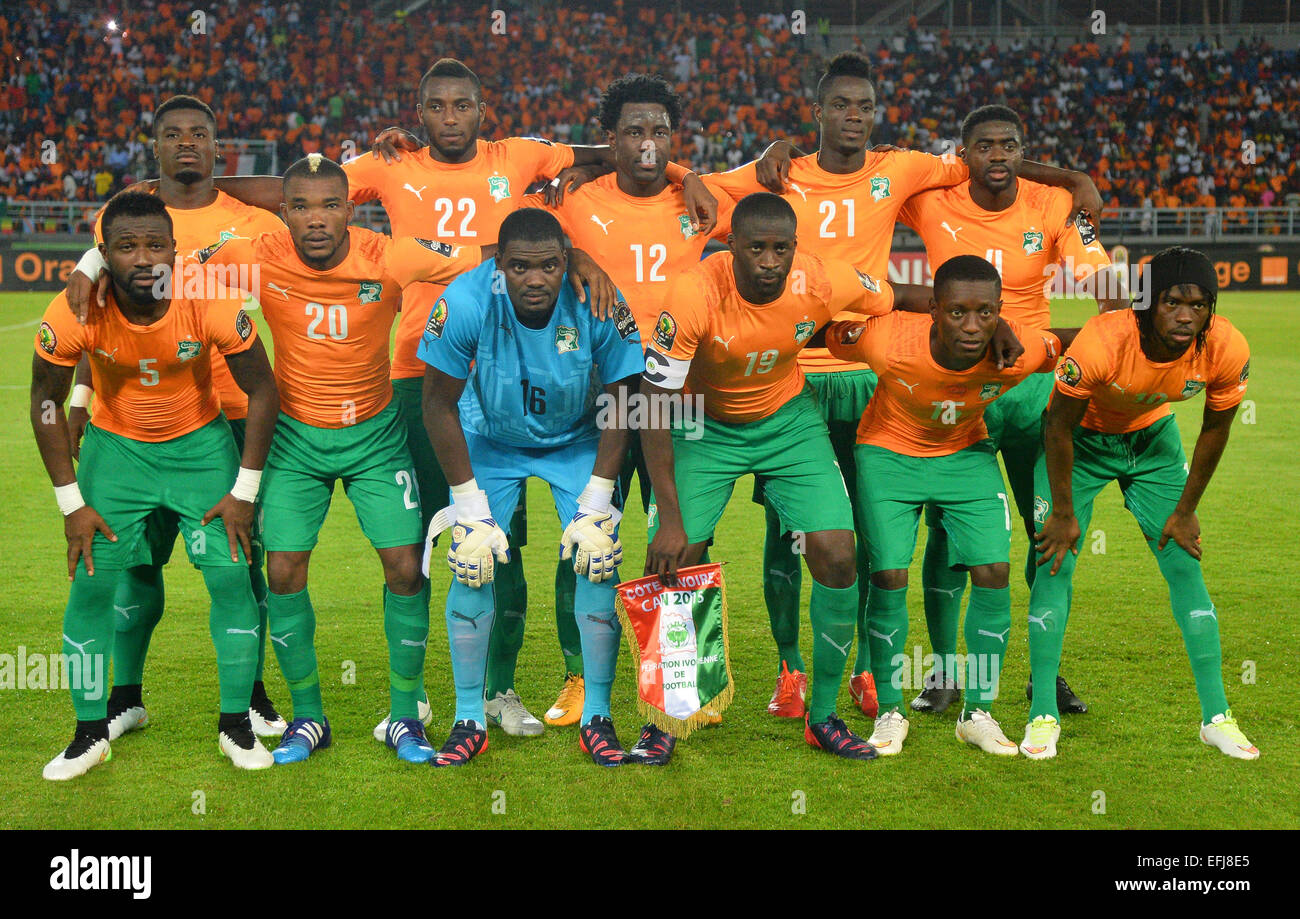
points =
(437, 319)
(47, 338)
(665, 332)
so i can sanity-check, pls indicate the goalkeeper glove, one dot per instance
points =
(477, 542)
(591, 538)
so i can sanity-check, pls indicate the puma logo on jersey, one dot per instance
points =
(603, 224)
(725, 342)
(415, 191)
(910, 386)
(282, 291)
(951, 231)
(111, 358)
(802, 194)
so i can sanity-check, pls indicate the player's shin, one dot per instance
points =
(566, 622)
(862, 664)
(782, 575)
(507, 637)
(469, 616)
(1049, 611)
(87, 641)
(406, 626)
(887, 632)
(833, 613)
(942, 592)
(137, 608)
(988, 626)
(1198, 620)
(292, 624)
(257, 578)
(236, 634)
(600, 633)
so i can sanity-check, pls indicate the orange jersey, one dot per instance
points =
(457, 203)
(1026, 243)
(331, 328)
(1128, 392)
(197, 227)
(920, 408)
(741, 356)
(152, 382)
(848, 216)
(641, 243)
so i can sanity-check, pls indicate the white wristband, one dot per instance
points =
(81, 394)
(246, 484)
(597, 495)
(92, 264)
(470, 501)
(69, 498)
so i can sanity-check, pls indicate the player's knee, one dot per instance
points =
(402, 573)
(992, 577)
(286, 572)
(893, 579)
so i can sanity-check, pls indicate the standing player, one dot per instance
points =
(184, 142)
(1024, 229)
(158, 441)
(922, 442)
(533, 357)
(1110, 420)
(330, 293)
(641, 225)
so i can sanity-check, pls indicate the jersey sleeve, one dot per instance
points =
(855, 295)
(1087, 365)
(364, 181)
(450, 338)
(617, 344)
(734, 183)
(922, 171)
(60, 338)
(408, 259)
(1042, 348)
(1231, 371)
(1075, 244)
(228, 326)
(863, 342)
(543, 159)
(677, 332)
(235, 251)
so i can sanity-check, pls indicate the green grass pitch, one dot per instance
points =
(1136, 751)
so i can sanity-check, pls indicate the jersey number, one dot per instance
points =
(405, 479)
(827, 210)
(993, 256)
(445, 207)
(338, 320)
(148, 376)
(534, 399)
(765, 361)
(658, 250)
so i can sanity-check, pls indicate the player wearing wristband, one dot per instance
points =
(510, 392)
(157, 440)
(1109, 419)
(922, 442)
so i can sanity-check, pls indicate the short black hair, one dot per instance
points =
(634, 88)
(762, 205)
(965, 268)
(453, 69)
(133, 204)
(990, 113)
(177, 103)
(316, 166)
(845, 64)
(530, 224)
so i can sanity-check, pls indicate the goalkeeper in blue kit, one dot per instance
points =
(515, 369)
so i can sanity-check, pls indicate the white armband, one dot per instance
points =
(69, 498)
(246, 484)
(598, 494)
(92, 264)
(470, 501)
(81, 394)
(664, 371)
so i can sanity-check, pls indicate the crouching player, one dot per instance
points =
(515, 364)
(1109, 419)
(157, 442)
(922, 442)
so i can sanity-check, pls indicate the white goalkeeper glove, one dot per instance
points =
(477, 542)
(591, 538)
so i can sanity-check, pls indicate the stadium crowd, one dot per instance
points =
(1210, 126)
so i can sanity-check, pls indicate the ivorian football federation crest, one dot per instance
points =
(566, 339)
(243, 326)
(684, 223)
(1041, 509)
(879, 187)
(432, 246)
(624, 320)
(990, 391)
(1069, 372)
(370, 291)
(188, 349)
(665, 331)
(437, 319)
(1032, 241)
(49, 341)
(1191, 388)
(868, 282)
(804, 331)
(498, 187)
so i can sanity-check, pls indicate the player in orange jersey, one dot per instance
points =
(1109, 419)
(185, 146)
(1024, 229)
(922, 442)
(157, 440)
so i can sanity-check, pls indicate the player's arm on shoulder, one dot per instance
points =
(409, 259)
(1064, 338)
(701, 204)
(266, 192)
(856, 294)
(1085, 198)
(772, 168)
(929, 170)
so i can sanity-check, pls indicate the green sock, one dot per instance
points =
(863, 662)
(87, 640)
(507, 635)
(566, 621)
(782, 576)
(1049, 611)
(137, 608)
(988, 625)
(1198, 620)
(1031, 564)
(293, 634)
(942, 597)
(258, 580)
(406, 626)
(833, 616)
(887, 614)
(236, 635)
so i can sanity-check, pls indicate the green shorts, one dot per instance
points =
(1015, 423)
(790, 449)
(1149, 465)
(127, 481)
(966, 489)
(842, 398)
(375, 465)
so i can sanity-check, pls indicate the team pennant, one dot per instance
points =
(678, 637)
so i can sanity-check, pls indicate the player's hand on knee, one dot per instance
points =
(591, 540)
(477, 542)
(1060, 534)
(237, 516)
(80, 528)
(1183, 529)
